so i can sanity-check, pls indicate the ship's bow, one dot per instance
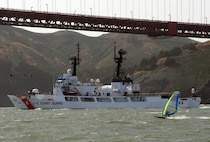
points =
(17, 102)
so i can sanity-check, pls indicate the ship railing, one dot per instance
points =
(44, 97)
(156, 94)
(91, 84)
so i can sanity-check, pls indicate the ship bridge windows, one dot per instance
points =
(103, 99)
(120, 99)
(65, 88)
(108, 94)
(87, 99)
(138, 99)
(72, 99)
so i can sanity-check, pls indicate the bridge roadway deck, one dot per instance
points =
(104, 24)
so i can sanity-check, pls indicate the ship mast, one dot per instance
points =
(75, 60)
(119, 73)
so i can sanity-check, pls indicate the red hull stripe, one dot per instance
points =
(27, 103)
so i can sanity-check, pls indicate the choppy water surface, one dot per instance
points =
(100, 125)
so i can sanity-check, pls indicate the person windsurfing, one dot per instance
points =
(171, 106)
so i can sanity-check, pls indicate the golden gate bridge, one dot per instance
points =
(93, 22)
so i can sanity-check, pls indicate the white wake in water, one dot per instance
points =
(183, 117)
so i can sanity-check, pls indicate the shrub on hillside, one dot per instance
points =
(148, 64)
(190, 47)
(173, 52)
(170, 62)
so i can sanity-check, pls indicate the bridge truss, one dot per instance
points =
(104, 24)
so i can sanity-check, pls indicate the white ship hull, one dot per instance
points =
(97, 102)
(192, 102)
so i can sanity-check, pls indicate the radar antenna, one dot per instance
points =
(119, 73)
(75, 60)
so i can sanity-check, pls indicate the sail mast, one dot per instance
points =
(171, 107)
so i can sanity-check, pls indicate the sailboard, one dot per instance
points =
(171, 106)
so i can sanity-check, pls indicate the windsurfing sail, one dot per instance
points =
(171, 107)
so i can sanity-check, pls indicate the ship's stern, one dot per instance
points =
(194, 102)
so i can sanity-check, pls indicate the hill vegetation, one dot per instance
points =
(177, 69)
(31, 60)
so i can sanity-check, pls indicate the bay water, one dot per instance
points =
(103, 125)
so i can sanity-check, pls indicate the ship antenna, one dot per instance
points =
(53, 80)
(75, 61)
(78, 50)
(115, 50)
(119, 74)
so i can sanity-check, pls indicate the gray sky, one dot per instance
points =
(193, 11)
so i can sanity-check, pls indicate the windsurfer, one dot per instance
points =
(166, 114)
(193, 91)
